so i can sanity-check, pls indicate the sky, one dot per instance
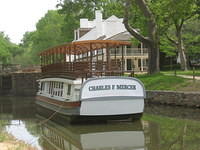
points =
(19, 16)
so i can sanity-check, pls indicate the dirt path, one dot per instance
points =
(189, 77)
(185, 76)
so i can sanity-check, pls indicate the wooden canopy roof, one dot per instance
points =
(80, 47)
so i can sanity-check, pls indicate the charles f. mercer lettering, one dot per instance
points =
(112, 87)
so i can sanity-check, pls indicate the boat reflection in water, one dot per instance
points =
(111, 136)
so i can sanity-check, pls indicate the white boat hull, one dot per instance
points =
(111, 107)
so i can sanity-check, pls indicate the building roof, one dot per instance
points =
(123, 36)
(103, 28)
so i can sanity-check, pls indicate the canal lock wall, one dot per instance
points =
(173, 98)
(19, 84)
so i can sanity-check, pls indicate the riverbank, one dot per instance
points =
(164, 82)
(8, 142)
(15, 145)
(171, 90)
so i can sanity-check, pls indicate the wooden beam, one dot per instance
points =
(108, 57)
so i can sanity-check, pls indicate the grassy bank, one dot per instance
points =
(165, 82)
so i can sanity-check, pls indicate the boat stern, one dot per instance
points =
(109, 96)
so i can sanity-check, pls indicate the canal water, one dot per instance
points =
(161, 128)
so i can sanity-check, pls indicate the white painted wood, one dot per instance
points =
(109, 87)
(111, 107)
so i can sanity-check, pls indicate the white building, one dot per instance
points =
(112, 28)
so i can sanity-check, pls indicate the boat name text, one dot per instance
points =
(112, 87)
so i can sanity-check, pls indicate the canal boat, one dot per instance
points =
(86, 80)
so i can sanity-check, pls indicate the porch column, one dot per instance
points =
(91, 57)
(142, 65)
(122, 59)
(116, 55)
(125, 59)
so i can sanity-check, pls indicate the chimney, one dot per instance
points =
(83, 23)
(99, 24)
(98, 16)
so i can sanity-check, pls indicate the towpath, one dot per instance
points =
(185, 76)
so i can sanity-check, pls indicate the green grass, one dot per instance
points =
(179, 72)
(163, 82)
(3, 136)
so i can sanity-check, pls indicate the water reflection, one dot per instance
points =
(17, 117)
(20, 131)
(161, 128)
(17, 107)
(114, 136)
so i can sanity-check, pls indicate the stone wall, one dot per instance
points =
(188, 99)
(9, 68)
(24, 84)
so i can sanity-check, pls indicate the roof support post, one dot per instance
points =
(74, 53)
(97, 55)
(41, 60)
(64, 55)
(70, 59)
(108, 57)
(115, 55)
(44, 56)
(102, 55)
(91, 55)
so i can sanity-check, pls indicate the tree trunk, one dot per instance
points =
(181, 50)
(154, 55)
(152, 41)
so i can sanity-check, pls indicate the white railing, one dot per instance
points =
(131, 52)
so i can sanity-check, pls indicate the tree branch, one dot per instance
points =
(149, 15)
(131, 30)
(171, 40)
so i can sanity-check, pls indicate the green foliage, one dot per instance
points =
(174, 16)
(191, 36)
(49, 32)
(57, 27)
(167, 47)
(8, 50)
(3, 135)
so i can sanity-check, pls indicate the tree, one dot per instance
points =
(177, 13)
(152, 39)
(7, 49)
(48, 34)
(191, 38)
